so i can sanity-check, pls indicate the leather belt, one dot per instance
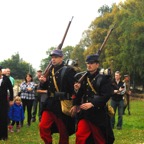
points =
(64, 96)
(90, 98)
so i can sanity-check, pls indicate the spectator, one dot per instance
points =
(43, 97)
(36, 102)
(3, 71)
(8, 73)
(127, 94)
(27, 95)
(117, 100)
(16, 114)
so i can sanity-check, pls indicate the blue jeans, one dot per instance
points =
(120, 106)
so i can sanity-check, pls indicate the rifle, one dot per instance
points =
(105, 40)
(47, 70)
(98, 53)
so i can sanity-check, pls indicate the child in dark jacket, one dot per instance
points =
(16, 114)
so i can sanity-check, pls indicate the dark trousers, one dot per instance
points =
(47, 120)
(13, 123)
(3, 120)
(41, 109)
(8, 119)
(36, 104)
(28, 104)
(120, 106)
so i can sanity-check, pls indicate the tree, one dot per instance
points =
(19, 67)
(67, 52)
(96, 34)
(124, 49)
(77, 54)
(44, 62)
(131, 26)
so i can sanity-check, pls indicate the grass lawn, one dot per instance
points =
(132, 132)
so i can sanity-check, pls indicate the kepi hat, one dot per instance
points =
(92, 58)
(56, 52)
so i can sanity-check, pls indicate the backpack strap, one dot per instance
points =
(62, 74)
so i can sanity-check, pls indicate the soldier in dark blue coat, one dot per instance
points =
(5, 84)
(60, 86)
(93, 126)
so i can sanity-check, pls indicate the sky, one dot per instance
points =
(30, 27)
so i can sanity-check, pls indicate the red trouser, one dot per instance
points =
(84, 129)
(48, 118)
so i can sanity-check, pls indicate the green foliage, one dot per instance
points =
(97, 33)
(77, 53)
(45, 61)
(131, 23)
(132, 132)
(104, 9)
(19, 67)
(67, 52)
(124, 49)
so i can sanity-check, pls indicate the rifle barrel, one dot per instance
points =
(105, 40)
(99, 51)
(61, 44)
(46, 72)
